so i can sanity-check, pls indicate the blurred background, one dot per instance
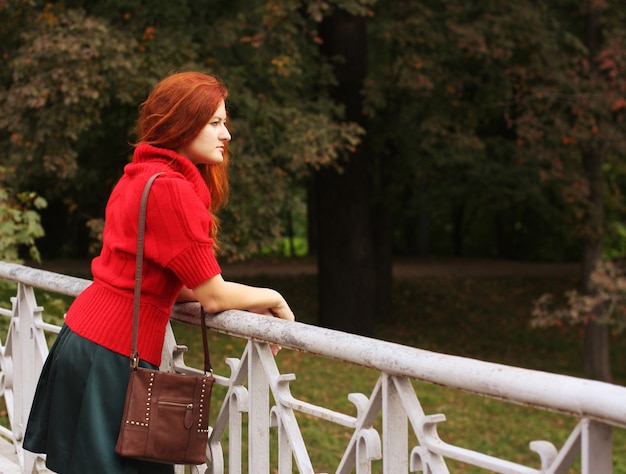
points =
(364, 133)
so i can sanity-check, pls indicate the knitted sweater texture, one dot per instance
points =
(177, 251)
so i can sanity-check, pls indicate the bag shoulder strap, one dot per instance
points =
(141, 231)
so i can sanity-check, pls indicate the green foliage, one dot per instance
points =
(478, 113)
(68, 68)
(447, 75)
(572, 104)
(275, 147)
(614, 245)
(19, 223)
(76, 70)
(615, 240)
(284, 125)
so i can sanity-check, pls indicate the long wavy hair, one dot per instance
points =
(175, 112)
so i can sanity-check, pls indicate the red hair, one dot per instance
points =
(175, 112)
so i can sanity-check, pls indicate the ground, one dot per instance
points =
(407, 268)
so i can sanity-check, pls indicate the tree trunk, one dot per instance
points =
(424, 223)
(382, 220)
(346, 266)
(348, 297)
(458, 215)
(311, 219)
(597, 360)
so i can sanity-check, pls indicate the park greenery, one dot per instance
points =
(20, 223)
(390, 128)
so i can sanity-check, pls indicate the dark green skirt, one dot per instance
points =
(76, 413)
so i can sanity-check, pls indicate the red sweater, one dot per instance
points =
(178, 251)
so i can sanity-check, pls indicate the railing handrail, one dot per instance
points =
(43, 279)
(561, 393)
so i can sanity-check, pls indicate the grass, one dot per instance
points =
(483, 318)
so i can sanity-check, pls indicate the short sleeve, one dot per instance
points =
(177, 231)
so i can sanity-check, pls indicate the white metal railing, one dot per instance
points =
(255, 387)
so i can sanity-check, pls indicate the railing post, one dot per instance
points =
(597, 447)
(237, 404)
(27, 349)
(259, 414)
(395, 429)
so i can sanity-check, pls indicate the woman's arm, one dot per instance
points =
(216, 295)
(185, 295)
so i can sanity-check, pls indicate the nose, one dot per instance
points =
(225, 134)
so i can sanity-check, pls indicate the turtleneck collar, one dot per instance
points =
(149, 154)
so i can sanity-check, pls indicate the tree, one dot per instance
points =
(76, 75)
(68, 78)
(571, 114)
(346, 247)
(439, 101)
(67, 62)
(285, 124)
(511, 105)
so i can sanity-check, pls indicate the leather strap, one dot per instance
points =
(141, 231)
(208, 369)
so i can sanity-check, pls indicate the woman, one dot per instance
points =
(182, 132)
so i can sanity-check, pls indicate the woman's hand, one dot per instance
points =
(217, 295)
(281, 311)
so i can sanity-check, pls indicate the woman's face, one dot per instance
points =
(209, 145)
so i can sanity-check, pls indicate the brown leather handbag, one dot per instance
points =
(166, 415)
